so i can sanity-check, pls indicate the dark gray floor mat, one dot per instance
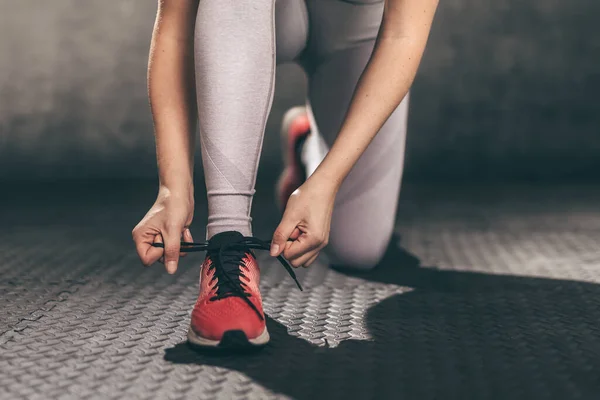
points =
(485, 293)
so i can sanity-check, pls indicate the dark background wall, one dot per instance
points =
(507, 89)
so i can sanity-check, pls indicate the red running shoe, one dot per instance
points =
(229, 312)
(295, 127)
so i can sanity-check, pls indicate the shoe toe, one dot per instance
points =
(230, 314)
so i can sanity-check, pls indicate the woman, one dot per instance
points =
(214, 61)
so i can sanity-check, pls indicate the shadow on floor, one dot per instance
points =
(455, 336)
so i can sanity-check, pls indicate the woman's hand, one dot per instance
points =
(167, 222)
(172, 95)
(306, 221)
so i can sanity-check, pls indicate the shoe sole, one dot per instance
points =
(284, 133)
(232, 340)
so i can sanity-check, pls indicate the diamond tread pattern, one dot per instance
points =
(485, 294)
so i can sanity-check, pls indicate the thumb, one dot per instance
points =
(286, 228)
(172, 239)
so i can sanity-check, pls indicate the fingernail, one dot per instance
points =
(274, 250)
(171, 267)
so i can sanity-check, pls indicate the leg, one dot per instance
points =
(235, 75)
(235, 71)
(365, 209)
(291, 21)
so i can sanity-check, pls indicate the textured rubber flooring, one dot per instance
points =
(485, 293)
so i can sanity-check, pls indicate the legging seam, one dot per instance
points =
(203, 142)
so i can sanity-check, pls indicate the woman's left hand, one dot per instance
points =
(306, 222)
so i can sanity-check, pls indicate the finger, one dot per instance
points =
(172, 238)
(186, 237)
(295, 234)
(293, 237)
(303, 259)
(286, 227)
(304, 244)
(143, 244)
(158, 239)
(312, 260)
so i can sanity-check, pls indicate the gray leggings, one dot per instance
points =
(238, 45)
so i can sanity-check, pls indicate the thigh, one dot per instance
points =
(365, 208)
(291, 29)
(337, 25)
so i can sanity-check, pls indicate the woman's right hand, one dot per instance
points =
(166, 222)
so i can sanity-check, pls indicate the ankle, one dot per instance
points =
(213, 229)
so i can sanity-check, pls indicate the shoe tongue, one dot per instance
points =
(229, 259)
(223, 238)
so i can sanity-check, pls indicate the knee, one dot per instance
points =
(359, 254)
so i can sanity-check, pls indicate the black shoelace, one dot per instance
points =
(226, 259)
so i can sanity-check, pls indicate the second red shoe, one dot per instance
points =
(295, 128)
